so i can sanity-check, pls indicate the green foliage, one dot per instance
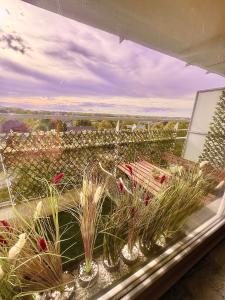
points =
(105, 124)
(4, 194)
(183, 124)
(44, 125)
(59, 125)
(158, 126)
(178, 148)
(176, 201)
(170, 125)
(126, 218)
(48, 124)
(82, 122)
(32, 124)
(214, 148)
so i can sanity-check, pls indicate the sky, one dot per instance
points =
(48, 62)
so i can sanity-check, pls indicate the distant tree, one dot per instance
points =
(127, 122)
(82, 123)
(14, 125)
(158, 125)
(44, 125)
(31, 123)
(183, 124)
(59, 125)
(170, 125)
(106, 124)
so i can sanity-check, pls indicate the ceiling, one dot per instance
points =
(190, 30)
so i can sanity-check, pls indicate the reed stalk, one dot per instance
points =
(87, 211)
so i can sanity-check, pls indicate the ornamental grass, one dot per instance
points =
(30, 250)
(180, 197)
(131, 204)
(87, 209)
(115, 229)
(31, 259)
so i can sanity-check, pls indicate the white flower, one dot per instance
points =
(203, 163)
(176, 169)
(1, 273)
(97, 194)
(126, 189)
(38, 209)
(16, 249)
(220, 185)
(82, 199)
(85, 185)
(200, 173)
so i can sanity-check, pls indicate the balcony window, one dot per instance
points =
(111, 173)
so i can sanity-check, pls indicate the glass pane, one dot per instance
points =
(98, 167)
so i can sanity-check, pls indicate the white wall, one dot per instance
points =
(201, 117)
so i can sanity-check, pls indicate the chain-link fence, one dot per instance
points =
(29, 158)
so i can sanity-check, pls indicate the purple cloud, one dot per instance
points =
(71, 59)
(14, 42)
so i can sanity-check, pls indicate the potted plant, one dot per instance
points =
(87, 211)
(113, 239)
(34, 249)
(170, 208)
(129, 199)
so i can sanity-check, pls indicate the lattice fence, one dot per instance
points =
(214, 147)
(30, 157)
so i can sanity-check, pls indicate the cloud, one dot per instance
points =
(70, 60)
(26, 71)
(14, 42)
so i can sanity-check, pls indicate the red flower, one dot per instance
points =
(121, 186)
(130, 169)
(162, 178)
(5, 224)
(134, 184)
(57, 178)
(146, 199)
(3, 240)
(132, 212)
(42, 244)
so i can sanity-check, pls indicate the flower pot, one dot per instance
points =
(149, 250)
(53, 295)
(111, 267)
(87, 279)
(67, 290)
(129, 257)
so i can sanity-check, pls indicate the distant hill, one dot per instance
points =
(24, 113)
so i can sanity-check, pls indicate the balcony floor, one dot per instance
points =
(206, 280)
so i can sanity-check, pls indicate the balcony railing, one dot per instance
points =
(28, 158)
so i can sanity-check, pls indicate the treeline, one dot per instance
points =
(28, 125)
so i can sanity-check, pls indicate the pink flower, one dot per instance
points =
(132, 212)
(162, 178)
(134, 184)
(42, 245)
(57, 178)
(121, 186)
(130, 169)
(146, 199)
(6, 224)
